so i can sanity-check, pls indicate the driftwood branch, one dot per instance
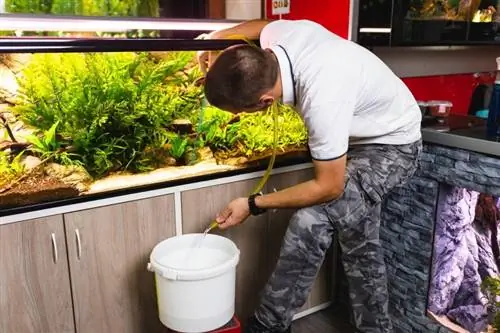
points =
(7, 128)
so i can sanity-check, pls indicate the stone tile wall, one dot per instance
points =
(408, 218)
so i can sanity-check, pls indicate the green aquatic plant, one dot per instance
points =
(147, 8)
(28, 6)
(255, 131)
(178, 146)
(113, 109)
(47, 146)
(252, 133)
(66, 7)
(10, 168)
(213, 128)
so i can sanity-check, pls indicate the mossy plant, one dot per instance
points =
(251, 133)
(491, 288)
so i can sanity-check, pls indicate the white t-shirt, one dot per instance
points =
(345, 94)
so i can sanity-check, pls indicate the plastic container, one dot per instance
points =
(493, 122)
(439, 109)
(195, 281)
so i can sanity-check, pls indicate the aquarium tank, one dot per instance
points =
(427, 22)
(459, 21)
(85, 117)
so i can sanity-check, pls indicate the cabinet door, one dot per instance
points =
(35, 294)
(278, 222)
(108, 251)
(199, 208)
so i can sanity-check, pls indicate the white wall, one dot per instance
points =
(243, 9)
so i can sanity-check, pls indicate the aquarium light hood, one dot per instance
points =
(65, 45)
(9, 22)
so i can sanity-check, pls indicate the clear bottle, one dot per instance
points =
(493, 123)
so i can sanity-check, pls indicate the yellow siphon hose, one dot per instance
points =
(274, 111)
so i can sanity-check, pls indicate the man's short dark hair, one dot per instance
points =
(239, 77)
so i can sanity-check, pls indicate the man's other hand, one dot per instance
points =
(206, 58)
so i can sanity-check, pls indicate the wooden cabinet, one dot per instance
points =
(35, 294)
(108, 252)
(278, 222)
(259, 238)
(85, 272)
(200, 206)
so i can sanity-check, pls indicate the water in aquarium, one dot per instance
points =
(454, 10)
(74, 124)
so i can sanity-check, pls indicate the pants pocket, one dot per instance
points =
(373, 190)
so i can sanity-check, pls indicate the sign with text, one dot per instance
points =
(281, 7)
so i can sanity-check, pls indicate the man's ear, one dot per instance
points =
(200, 82)
(266, 101)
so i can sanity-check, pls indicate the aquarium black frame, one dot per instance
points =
(86, 45)
(389, 28)
(261, 166)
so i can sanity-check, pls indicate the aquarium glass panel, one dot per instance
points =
(146, 8)
(375, 13)
(79, 124)
(216, 9)
(465, 280)
(445, 21)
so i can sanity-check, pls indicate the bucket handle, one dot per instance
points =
(165, 273)
(171, 274)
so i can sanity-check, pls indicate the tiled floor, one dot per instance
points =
(331, 320)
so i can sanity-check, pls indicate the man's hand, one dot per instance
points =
(251, 29)
(235, 213)
(206, 58)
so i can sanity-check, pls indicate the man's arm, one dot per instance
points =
(327, 185)
(250, 29)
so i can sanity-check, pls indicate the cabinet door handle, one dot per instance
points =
(55, 254)
(78, 244)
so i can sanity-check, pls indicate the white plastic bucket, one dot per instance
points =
(195, 281)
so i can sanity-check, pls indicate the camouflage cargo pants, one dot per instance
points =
(372, 171)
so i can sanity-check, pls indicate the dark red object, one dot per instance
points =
(232, 327)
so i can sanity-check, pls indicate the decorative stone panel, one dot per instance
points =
(408, 219)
